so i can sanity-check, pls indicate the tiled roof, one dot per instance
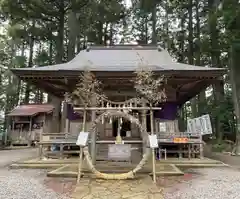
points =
(31, 109)
(121, 58)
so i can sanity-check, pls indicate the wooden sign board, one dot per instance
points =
(82, 139)
(119, 152)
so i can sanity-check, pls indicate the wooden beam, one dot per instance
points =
(47, 88)
(193, 91)
(115, 108)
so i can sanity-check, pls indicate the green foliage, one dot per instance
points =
(42, 58)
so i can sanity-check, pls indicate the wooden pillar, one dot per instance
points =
(14, 136)
(30, 133)
(93, 140)
(93, 135)
(67, 125)
(144, 124)
(64, 117)
(153, 150)
(55, 125)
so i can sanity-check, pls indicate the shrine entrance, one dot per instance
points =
(125, 128)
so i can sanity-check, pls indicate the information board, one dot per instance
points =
(206, 124)
(82, 139)
(200, 125)
(153, 142)
(119, 152)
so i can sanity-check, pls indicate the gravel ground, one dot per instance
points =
(28, 184)
(208, 183)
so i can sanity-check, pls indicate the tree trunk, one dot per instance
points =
(215, 60)
(18, 80)
(190, 50)
(182, 114)
(100, 33)
(154, 22)
(72, 35)
(9, 95)
(111, 35)
(30, 64)
(202, 96)
(235, 80)
(59, 56)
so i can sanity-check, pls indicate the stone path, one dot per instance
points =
(123, 189)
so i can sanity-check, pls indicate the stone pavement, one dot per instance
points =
(142, 188)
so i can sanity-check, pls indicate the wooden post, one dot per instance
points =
(201, 147)
(13, 132)
(81, 148)
(30, 133)
(64, 117)
(144, 124)
(67, 124)
(40, 145)
(153, 150)
(93, 140)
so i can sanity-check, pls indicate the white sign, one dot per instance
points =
(197, 125)
(82, 139)
(162, 127)
(206, 125)
(119, 152)
(190, 126)
(200, 125)
(153, 141)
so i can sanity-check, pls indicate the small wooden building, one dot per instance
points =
(27, 121)
(115, 67)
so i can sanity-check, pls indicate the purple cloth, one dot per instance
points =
(168, 111)
(71, 115)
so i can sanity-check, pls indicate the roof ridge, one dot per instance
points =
(124, 47)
